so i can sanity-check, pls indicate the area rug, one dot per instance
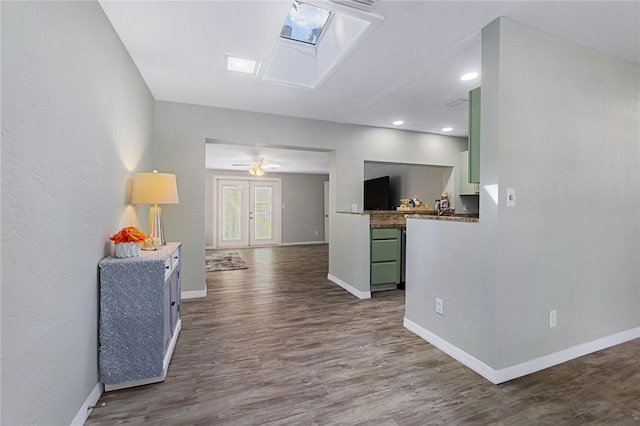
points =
(224, 262)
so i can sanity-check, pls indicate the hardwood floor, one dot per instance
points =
(279, 344)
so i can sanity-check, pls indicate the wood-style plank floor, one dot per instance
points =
(279, 344)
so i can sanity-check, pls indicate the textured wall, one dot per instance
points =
(567, 137)
(77, 121)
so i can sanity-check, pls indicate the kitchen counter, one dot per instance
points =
(396, 219)
(471, 218)
(393, 218)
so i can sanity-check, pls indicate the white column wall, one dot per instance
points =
(560, 124)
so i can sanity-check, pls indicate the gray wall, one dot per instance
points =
(182, 129)
(407, 180)
(77, 122)
(560, 125)
(302, 197)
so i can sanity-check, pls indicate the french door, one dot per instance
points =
(247, 212)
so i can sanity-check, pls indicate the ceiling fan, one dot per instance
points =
(257, 166)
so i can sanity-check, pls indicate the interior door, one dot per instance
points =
(326, 211)
(247, 213)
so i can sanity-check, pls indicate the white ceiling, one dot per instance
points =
(221, 156)
(407, 68)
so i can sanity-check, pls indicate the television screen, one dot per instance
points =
(376, 194)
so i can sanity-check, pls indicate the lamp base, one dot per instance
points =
(156, 228)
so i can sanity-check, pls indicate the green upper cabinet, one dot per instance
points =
(464, 186)
(474, 135)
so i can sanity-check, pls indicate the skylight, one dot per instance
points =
(305, 23)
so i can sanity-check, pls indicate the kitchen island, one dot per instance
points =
(387, 243)
(357, 227)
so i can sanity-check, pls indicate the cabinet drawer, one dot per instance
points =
(170, 263)
(175, 258)
(384, 233)
(384, 273)
(384, 250)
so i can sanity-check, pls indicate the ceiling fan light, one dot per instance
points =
(256, 171)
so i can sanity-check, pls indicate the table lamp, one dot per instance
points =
(155, 188)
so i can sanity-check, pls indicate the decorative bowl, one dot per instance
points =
(127, 249)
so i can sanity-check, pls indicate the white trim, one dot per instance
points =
(357, 293)
(529, 367)
(303, 243)
(210, 247)
(92, 399)
(565, 355)
(194, 294)
(165, 365)
(459, 355)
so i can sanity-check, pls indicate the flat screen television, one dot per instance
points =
(376, 194)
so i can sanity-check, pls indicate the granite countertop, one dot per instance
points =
(471, 218)
(395, 218)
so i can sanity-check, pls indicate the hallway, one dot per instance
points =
(280, 344)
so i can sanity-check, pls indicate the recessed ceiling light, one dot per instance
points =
(447, 129)
(241, 65)
(398, 123)
(469, 76)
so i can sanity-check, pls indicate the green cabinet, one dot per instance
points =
(464, 186)
(386, 259)
(474, 135)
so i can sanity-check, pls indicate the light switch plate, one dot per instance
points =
(354, 208)
(511, 197)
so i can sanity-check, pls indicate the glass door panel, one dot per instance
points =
(233, 213)
(262, 213)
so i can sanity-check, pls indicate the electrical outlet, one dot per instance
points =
(354, 208)
(439, 306)
(316, 232)
(553, 318)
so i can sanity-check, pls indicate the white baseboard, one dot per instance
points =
(565, 355)
(84, 411)
(303, 243)
(513, 372)
(195, 294)
(357, 293)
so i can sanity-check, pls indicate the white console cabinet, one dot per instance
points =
(139, 316)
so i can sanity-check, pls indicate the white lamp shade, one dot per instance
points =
(154, 188)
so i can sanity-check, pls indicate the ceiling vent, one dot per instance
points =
(366, 5)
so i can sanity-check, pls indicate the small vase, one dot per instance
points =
(127, 249)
